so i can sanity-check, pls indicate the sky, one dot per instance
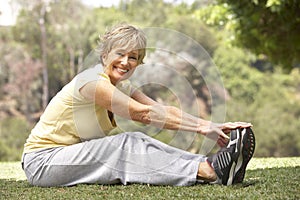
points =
(104, 3)
(9, 11)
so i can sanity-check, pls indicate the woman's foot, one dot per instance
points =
(206, 172)
(230, 162)
(225, 160)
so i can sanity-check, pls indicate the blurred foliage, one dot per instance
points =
(268, 100)
(12, 138)
(260, 74)
(269, 27)
(240, 79)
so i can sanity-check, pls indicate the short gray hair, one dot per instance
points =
(125, 36)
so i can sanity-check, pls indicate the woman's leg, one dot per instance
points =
(125, 158)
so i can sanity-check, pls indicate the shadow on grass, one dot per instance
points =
(273, 183)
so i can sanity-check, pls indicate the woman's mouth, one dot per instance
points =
(123, 71)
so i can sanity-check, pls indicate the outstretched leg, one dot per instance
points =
(124, 158)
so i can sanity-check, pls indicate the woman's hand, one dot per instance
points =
(219, 131)
(228, 126)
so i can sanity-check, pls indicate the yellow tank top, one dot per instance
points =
(70, 118)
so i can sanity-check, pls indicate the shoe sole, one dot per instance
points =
(246, 152)
(234, 159)
(228, 179)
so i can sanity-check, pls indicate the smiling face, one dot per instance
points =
(120, 64)
(121, 50)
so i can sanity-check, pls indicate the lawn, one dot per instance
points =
(266, 178)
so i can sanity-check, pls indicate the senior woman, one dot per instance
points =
(69, 144)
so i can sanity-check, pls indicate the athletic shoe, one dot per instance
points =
(247, 148)
(225, 160)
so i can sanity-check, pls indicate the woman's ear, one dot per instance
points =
(104, 58)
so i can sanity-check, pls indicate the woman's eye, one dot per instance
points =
(120, 54)
(133, 58)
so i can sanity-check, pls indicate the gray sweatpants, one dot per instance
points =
(131, 157)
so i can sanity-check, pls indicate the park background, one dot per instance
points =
(255, 45)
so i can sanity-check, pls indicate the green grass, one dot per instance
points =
(266, 178)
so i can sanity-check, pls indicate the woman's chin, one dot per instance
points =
(117, 78)
(120, 76)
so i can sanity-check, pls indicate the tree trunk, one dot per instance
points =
(72, 63)
(45, 96)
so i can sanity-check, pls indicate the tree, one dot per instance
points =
(38, 9)
(146, 12)
(269, 100)
(269, 27)
(22, 82)
(247, 82)
(56, 32)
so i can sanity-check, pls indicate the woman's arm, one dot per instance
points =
(169, 117)
(207, 127)
(142, 98)
(143, 109)
(109, 97)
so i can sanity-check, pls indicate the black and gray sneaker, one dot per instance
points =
(225, 160)
(247, 148)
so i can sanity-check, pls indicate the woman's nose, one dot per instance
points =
(124, 60)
